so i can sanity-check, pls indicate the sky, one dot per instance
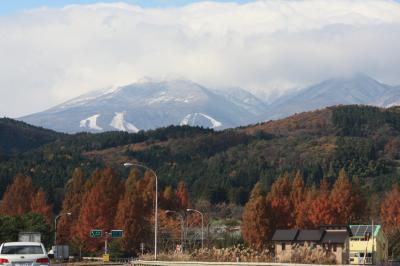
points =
(54, 50)
(11, 6)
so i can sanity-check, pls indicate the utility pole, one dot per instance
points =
(372, 253)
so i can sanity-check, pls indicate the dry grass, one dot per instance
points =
(308, 254)
(217, 255)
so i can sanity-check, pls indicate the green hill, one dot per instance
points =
(17, 137)
(223, 166)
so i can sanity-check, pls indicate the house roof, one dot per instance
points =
(335, 237)
(362, 230)
(310, 235)
(285, 235)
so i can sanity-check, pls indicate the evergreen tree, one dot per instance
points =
(169, 199)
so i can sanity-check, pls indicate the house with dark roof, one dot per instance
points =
(334, 239)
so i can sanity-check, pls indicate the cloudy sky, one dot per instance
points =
(51, 51)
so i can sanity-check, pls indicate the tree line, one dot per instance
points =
(104, 201)
(291, 204)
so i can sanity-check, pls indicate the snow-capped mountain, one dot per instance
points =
(358, 89)
(243, 99)
(149, 105)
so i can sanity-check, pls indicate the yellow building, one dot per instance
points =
(367, 245)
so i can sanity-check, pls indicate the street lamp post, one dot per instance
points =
(55, 226)
(202, 225)
(156, 203)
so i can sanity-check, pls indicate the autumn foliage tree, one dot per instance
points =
(279, 199)
(21, 197)
(40, 206)
(74, 191)
(131, 215)
(98, 209)
(182, 196)
(343, 200)
(18, 197)
(320, 210)
(292, 205)
(390, 210)
(256, 219)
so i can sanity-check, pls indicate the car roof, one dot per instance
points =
(22, 244)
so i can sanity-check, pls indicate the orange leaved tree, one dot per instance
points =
(18, 196)
(280, 202)
(390, 210)
(342, 203)
(40, 206)
(131, 215)
(320, 210)
(256, 222)
(98, 208)
(74, 191)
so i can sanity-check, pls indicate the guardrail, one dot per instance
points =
(197, 263)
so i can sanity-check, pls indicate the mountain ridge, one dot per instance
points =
(153, 104)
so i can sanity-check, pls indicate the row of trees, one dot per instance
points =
(290, 204)
(106, 202)
(22, 197)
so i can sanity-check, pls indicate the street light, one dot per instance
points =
(202, 225)
(156, 207)
(182, 225)
(55, 226)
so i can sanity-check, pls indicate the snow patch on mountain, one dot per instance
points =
(118, 122)
(191, 120)
(84, 99)
(163, 98)
(90, 122)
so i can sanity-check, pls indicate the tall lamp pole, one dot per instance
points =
(202, 225)
(156, 203)
(182, 225)
(55, 226)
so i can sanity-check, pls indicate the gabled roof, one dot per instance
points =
(285, 235)
(335, 237)
(336, 227)
(310, 235)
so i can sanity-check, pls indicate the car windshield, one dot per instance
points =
(22, 250)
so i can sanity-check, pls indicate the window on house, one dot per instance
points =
(283, 246)
(334, 247)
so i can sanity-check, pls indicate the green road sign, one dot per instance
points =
(117, 233)
(96, 233)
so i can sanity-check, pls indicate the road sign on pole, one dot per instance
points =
(96, 233)
(117, 233)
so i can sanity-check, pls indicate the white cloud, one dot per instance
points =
(50, 55)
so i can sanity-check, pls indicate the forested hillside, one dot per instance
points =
(223, 166)
(17, 137)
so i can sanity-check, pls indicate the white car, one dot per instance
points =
(23, 254)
